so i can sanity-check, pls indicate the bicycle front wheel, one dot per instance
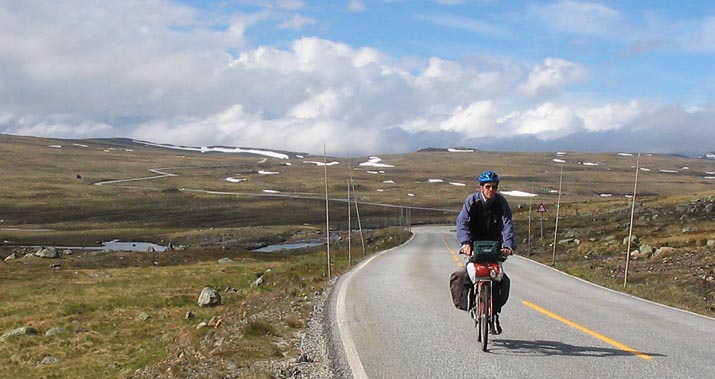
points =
(484, 299)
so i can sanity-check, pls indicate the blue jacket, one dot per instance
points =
(477, 223)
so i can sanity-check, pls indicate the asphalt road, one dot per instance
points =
(392, 317)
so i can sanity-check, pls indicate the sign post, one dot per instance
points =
(541, 209)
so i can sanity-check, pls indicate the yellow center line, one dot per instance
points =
(589, 331)
(455, 255)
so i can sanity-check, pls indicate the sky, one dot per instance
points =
(363, 77)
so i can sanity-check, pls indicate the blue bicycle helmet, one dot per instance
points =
(488, 176)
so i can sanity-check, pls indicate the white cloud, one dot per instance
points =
(548, 121)
(357, 6)
(579, 17)
(464, 23)
(297, 22)
(554, 74)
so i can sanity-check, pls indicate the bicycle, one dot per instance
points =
(486, 261)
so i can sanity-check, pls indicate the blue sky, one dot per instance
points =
(365, 77)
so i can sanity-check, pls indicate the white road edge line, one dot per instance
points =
(351, 354)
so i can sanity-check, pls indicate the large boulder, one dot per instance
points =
(24, 331)
(47, 252)
(209, 297)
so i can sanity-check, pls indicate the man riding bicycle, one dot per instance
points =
(485, 216)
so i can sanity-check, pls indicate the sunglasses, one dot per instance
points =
(491, 186)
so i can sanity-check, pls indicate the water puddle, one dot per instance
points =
(113, 245)
(289, 246)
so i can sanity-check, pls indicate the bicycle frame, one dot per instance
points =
(482, 310)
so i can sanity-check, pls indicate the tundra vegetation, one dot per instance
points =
(135, 314)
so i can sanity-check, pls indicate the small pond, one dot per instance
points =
(113, 245)
(289, 246)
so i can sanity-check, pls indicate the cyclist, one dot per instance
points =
(485, 216)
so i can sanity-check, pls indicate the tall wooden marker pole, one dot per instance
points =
(630, 228)
(327, 213)
(558, 207)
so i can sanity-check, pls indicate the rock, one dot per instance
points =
(55, 331)
(565, 241)
(56, 266)
(711, 243)
(202, 324)
(665, 250)
(576, 241)
(24, 331)
(225, 261)
(635, 254)
(710, 208)
(257, 282)
(143, 316)
(67, 252)
(646, 251)
(47, 252)
(189, 315)
(690, 229)
(49, 360)
(209, 297)
(10, 257)
(634, 239)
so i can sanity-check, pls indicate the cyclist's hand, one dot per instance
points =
(506, 251)
(466, 249)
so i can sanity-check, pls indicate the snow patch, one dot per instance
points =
(388, 181)
(271, 191)
(518, 193)
(669, 171)
(590, 164)
(55, 146)
(333, 163)
(460, 150)
(435, 181)
(236, 180)
(262, 172)
(558, 160)
(375, 162)
(206, 149)
(625, 154)
(606, 195)
(457, 184)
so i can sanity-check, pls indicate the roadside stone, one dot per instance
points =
(47, 252)
(10, 257)
(225, 261)
(67, 252)
(646, 251)
(634, 239)
(257, 282)
(23, 331)
(49, 360)
(55, 331)
(143, 316)
(667, 250)
(209, 297)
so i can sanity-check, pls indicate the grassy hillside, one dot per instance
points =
(101, 301)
